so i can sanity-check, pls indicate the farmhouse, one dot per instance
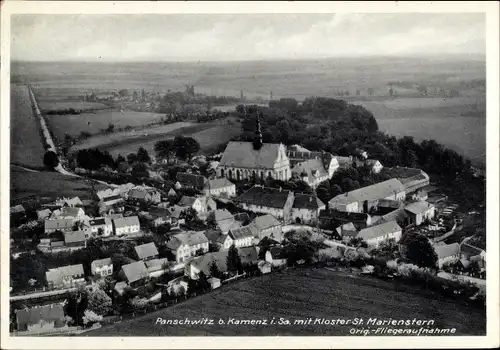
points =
(72, 213)
(374, 235)
(185, 245)
(203, 263)
(102, 267)
(219, 239)
(102, 227)
(200, 204)
(306, 208)
(267, 226)
(275, 257)
(220, 188)
(43, 214)
(246, 160)
(159, 216)
(420, 211)
(447, 253)
(193, 181)
(144, 195)
(75, 239)
(267, 200)
(43, 318)
(112, 200)
(468, 251)
(63, 225)
(364, 199)
(223, 220)
(135, 273)
(146, 251)
(315, 167)
(242, 237)
(126, 225)
(65, 277)
(347, 231)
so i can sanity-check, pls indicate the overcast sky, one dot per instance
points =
(242, 37)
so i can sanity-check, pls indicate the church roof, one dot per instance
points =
(243, 155)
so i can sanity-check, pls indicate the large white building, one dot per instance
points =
(245, 160)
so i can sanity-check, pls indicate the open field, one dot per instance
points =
(26, 145)
(47, 184)
(95, 121)
(300, 294)
(64, 105)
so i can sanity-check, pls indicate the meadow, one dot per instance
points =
(300, 294)
(26, 147)
(45, 105)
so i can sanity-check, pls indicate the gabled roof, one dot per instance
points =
(240, 233)
(56, 275)
(377, 191)
(307, 201)
(138, 194)
(312, 168)
(44, 213)
(265, 221)
(17, 209)
(187, 201)
(126, 221)
(343, 216)
(218, 184)
(265, 196)
(388, 203)
(112, 198)
(187, 238)
(241, 217)
(469, 249)
(243, 155)
(135, 271)
(186, 179)
(229, 224)
(48, 313)
(146, 250)
(379, 230)
(101, 263)
(73, 201)
(203, 263)
(58, 224)
(74, 237)
(276, 252)
(156, 212)
(346, 228)
(222, 214)
(155, 264)
(297, 148)
(100, 221)
(418, 207)
(446, 250)
(248, 255)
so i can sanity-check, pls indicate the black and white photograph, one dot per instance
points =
(316, 173)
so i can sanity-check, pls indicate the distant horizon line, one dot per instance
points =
(170, 60)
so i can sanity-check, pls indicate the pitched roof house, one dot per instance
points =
(242, 237)
(65, 276)
(184, 245)
(72, 212)
(203, 263)
(447, 252)
(103, 267)
(125, 225)
(191, 180)
(39, 318)
(75, 238)
(220, 187)
(267, 200)
(146, 251)
(63, 225)
(374, 235)
(135, 272)
(267, 226)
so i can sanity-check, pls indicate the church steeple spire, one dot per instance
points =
(257, 141)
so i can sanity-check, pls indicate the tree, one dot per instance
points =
(233, 260)
(214, 270)
(110, 128)
(185, 147)
(139, 303)
(419, 250)
(165, 149)
(163, 229)
(143, 156)
(120, 159)
(203, 284)
(140, 170)
(132, 158)
(99, 302)
(90, 317)
(200, 252)
(50, 159)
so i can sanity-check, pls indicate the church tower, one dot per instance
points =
(257, 141)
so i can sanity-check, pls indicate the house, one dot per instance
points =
(420, 195)
(214, 282)
(112, 200)
(267, 200)
(267, 226)
(264, 267)
(316, 168)
(203, 263)
(193, 181)
(374, 235)
(447, 253)
(221, 187)
(63, 225)
(275, 257)
(159, 216)
(201, 204)
(347, 231)
(171, 193)
(413, 179)
(75, 239)
(345, 162)
(468, 251)
(157, 267)
(306, 208)
(72, 213)
(72, 202)
(40, 318)
(185, 245)
(43, 214)
(224, 220)
(385, 206)
(126, 225)
(65, 277)
(102, 267)
(146, 251)
(219, 239)
(248, 255)
(18, 209)
(135, 273)
(177, 286)
(374, 165)
(242, 237)
(109, 192)
(144, 195)
(246, 160)
(99, 227)
(364, 199)
(330, 219)
(420, 211)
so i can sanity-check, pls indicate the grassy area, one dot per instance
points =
(24, 184)
(64, 105)
(26, 145)
(300, 294)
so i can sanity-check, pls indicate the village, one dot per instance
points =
(130, 248)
